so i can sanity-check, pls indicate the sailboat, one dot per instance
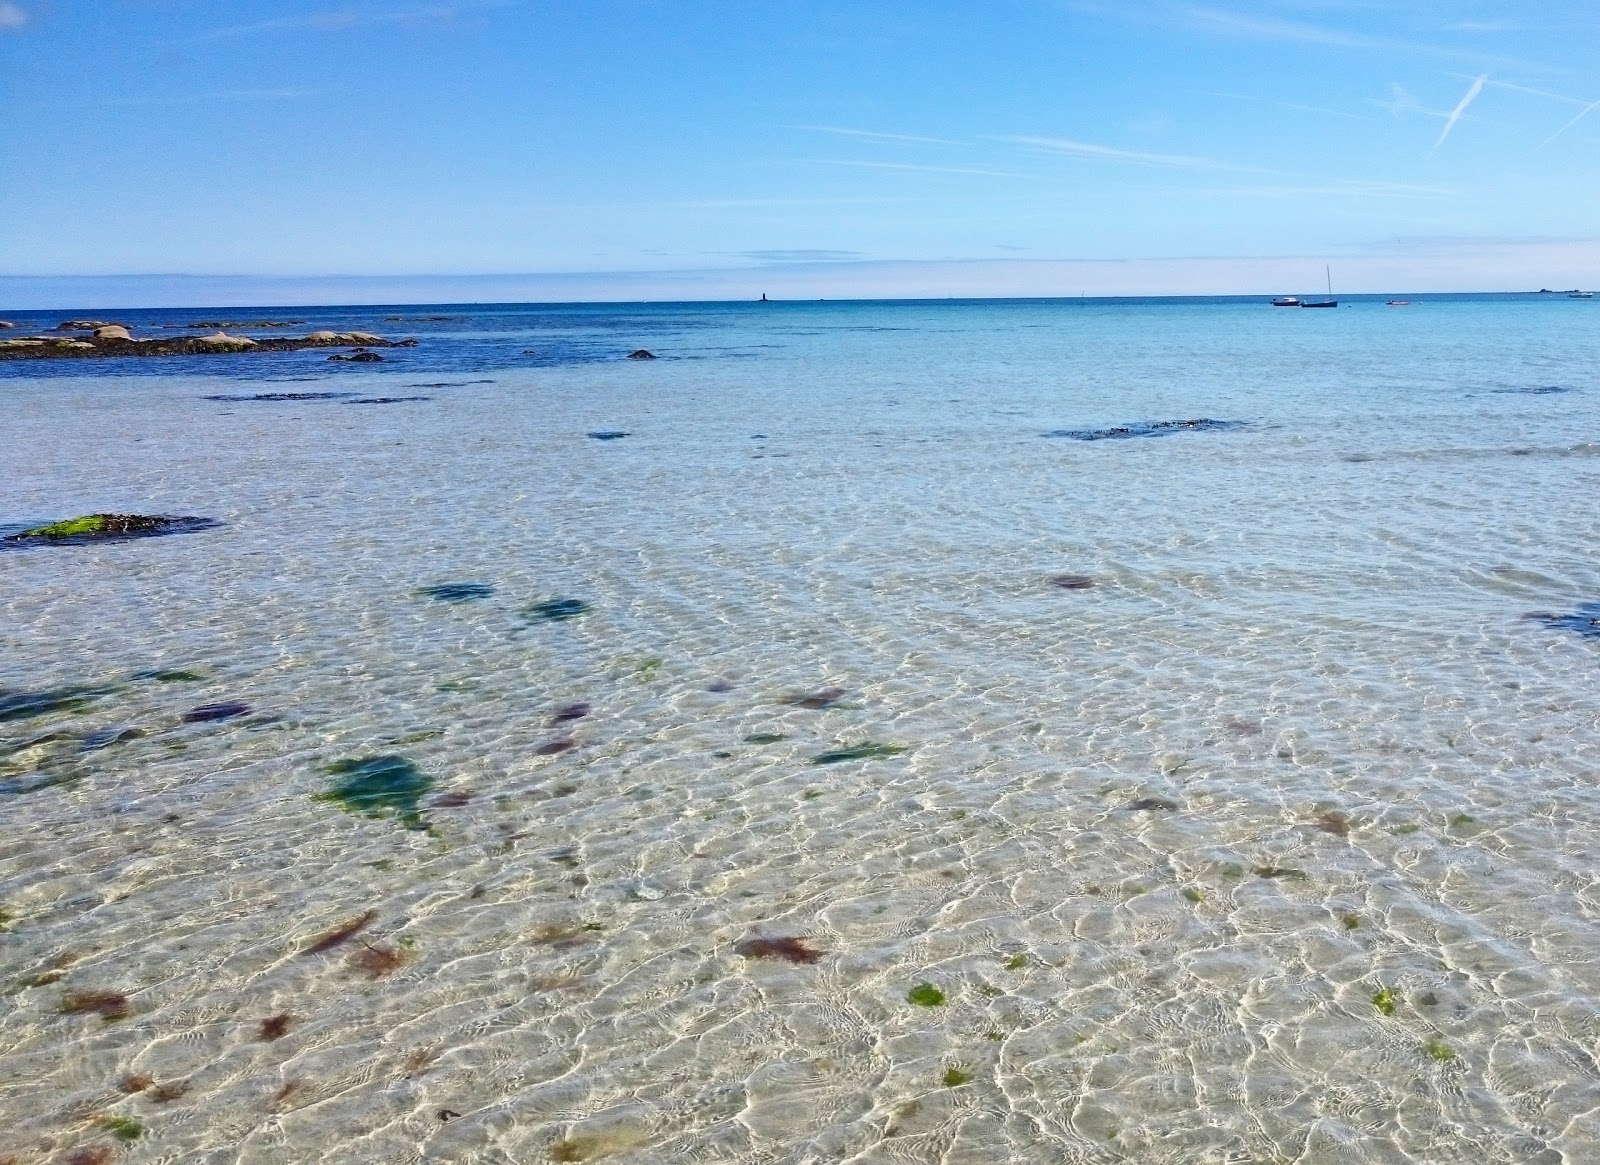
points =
(1330, 301)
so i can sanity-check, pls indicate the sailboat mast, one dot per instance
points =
(1328, 270)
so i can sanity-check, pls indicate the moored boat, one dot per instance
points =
(1286, 301)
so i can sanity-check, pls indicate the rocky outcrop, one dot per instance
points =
(116, 340)
(360, 356)
(642, 354)
(222, 342)
(81, 325)
(6, 324)
(110, 528)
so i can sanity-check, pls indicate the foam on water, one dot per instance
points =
(1272, 837)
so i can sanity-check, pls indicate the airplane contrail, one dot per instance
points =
(1585, 112)
(1461, 108)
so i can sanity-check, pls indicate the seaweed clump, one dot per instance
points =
(788, 948)
(110, 528)
(1147, 429)
(866, 751)
(329, 939)
(379, 785)
(108, 1005)
(556, 610)
(925, 995)
(460, 592)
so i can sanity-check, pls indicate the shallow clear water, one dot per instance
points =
(1307, 635)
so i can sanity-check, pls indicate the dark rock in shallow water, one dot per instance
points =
(1147, 429)
(170, 676)
(117, 343)
(458, 592)
(378, 785)
(641, 354)
(106, 737)
(110, 528)
(1534, 390)
(556, 609)
(1151, 805)
(276, 396)
(219, 324)
(555, 747)
(816, 701)
(571, 712)
(866, 751)
(1073, 582)
(359, 356)
(608, 435)
(387, 400)
(84, 325)
(226, 710)
(1585, 622)
(24, 705)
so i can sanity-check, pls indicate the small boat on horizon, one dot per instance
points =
(1286, 301)
(1398, 303)
(1293, 301)
(1580, 295)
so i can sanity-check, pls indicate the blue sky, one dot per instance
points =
(621, 147)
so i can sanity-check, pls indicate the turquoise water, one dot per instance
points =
(1352, 919)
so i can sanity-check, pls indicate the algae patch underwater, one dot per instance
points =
(379, 785)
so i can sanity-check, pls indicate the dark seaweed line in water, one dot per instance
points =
(1147, 429)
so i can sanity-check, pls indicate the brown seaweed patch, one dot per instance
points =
(108, 1005)
(92, 1155)
(275, 1027)
(132, 1083)
(225, 710)
(452, 800)
(575, 711)
(376, 962)
(167, 1093)
(1073, 582)
(1334, 822)
(555, 747)
(789, 948)
(342, 933)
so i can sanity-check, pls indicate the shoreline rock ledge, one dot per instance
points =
(107, 339)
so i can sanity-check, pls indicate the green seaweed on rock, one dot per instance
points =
(123, 1128)
(1384, 1000)
(1440, 1051)
(379, 785)
(925, 995)
(764, 738)
(865, 751)
(955, 1076)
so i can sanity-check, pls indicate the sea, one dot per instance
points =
(961, 732)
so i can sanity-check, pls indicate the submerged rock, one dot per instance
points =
(279, 396)
(457, 592)
(641, 354)
(816, 701)
(378, 785)
(111, 528)
(1073, 582)
(608, 435)
(25, 705)
(558, 609)
(866, 751)
(226, 710)
(1147, 429)
(359, 356)
(387, 400)
(1586, 621)
(106, 737)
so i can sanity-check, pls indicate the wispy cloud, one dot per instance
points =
(802, 255)
(337, 19)
(1089, 151)
(11, 16)
(1582, 113)
(1461, 108)
(874, 135)
(908, 166)
(1225, 23)
(1294, 105)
